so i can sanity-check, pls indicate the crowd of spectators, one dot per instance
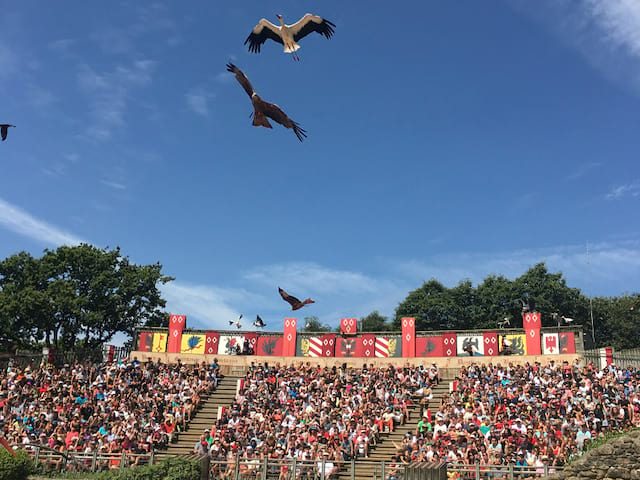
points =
(528, 416)
(112, 408)
(313, 414)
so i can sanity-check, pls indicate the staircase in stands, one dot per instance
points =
(205, 416)
(369, 468)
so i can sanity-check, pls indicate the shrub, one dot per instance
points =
(15, 468)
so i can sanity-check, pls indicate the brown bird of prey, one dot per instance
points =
(293, 301)
(288, 35)
(262, 109)
(4, 129)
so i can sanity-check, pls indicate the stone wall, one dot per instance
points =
(618, 458)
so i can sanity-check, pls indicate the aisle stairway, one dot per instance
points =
(369, 468)
(205, 416)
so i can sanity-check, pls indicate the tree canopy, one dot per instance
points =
(436, 307)
(76, 296)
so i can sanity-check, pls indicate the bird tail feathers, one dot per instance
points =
(260, 120)
(289, 49)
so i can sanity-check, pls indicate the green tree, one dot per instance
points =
(78, 296)
(313, 324)
(374, 322)
(430, 304)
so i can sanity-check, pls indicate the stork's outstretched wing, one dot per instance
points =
(311, 23)
(274, 112)
(242, 78)
(262, 32)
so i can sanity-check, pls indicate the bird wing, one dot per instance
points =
(311, 23)
(288, 298)
(274, 112)
(3, 131)
(263, 31)
(242, 78)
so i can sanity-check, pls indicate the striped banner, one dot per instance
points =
(382, 347)
(315, 347)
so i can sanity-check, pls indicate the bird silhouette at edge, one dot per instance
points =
(237, 322)
(4, 130)
(295, 303)
(259, 322)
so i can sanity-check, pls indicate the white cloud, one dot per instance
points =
(622, 191)
(198, 100)
(17, 220)
(605, 32)
(583, 169)
(110, 92)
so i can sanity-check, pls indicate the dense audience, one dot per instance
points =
(531, 415)
(313, 414)
(120, 407)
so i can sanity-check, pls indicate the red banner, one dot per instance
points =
(269, 346)
(429, 347)
(449, 344)
(289, 340)
(567, 342)
(328, 344)
(211, 344)
(368, 345)
(408, 337)
(348, 326)
(349, 347)
(145, 343)
(532, 320)
(253, 340)
(177, 321)
(490, 343)
(533, 341)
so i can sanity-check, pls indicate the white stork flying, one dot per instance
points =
(288, 35)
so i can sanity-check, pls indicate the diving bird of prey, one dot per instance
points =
(288, 35)
(237, 322)
(259, 322)
(262, 109)
(293, 301)
(4, 129)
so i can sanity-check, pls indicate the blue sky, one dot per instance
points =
(446, 139)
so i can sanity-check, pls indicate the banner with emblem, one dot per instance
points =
(550, 345)
(269, 346)
(289, 337)
(252, 337)
(567, 342)
(159, 342)
(429, 347)
(229, 344)
(328, 344)
(349, 347)
(211, 344)
(516, 342)
(490, 343)
(145, 342)
(533, 341)
(193, 343)
(348, 326)
(449, 344)
(408, 337)
(476, 342)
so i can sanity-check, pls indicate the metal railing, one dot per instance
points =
(500, 472)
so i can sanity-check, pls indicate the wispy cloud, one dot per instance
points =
(62, 46)
(198, 100)
(605, 32)
(39, 98)
(114, 185)
(109, 94)
(583, 169)
(15, 219)
(626, 190)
